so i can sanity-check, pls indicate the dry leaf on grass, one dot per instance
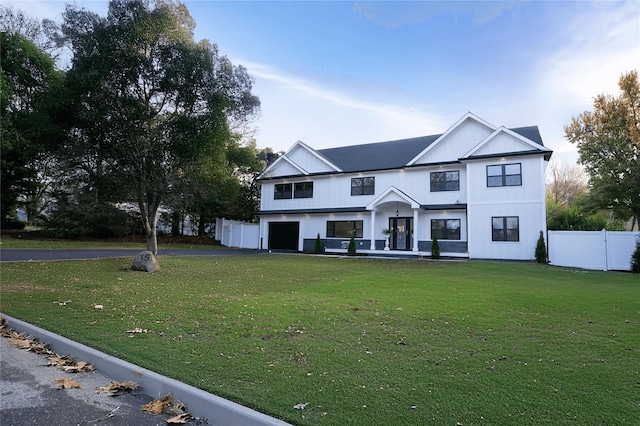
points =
(137, 330)
(98, 306)
(67, 384)
(118, 388)
(158, 405)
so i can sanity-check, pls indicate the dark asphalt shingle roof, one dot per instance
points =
(394, 154)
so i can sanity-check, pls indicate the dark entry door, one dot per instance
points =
(400, 238)
(284, 235)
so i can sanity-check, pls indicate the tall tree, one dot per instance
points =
(149, 102)
(565, 182)
(608, 140)
(29, 88)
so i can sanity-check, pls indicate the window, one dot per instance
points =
(445, 181)
(505, 228)
(445, 229)
(363, 186)
(282, 191)
(344, 228)
(504, 175)
(303, 190)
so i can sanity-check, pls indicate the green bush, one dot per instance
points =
(435, 248)
(351, 251)
(319, 248)
(635, 258)
(541, 249)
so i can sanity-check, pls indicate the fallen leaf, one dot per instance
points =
(80, 367)
(180, 419)
(137, 330)
(60, 361)
(158, 405)
(98, 306)
(21, 343)
(300, 406)
(67, 384)
(118, 388)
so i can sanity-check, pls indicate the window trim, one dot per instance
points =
(445, 228)
(505, 229)
(362, 186)
(504, 181)
(305, 192)
(331, 231)
(444, 182)
(282, 195)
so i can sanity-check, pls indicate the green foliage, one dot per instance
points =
(608, 140)
(579, 218)
(341, 334)
(29, 89)
(435, 248)
(151, 109)
(351, 250)
(318, 248)
(635, 258)
(541, 249)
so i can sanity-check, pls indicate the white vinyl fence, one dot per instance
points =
(600, 250)
(232, 233)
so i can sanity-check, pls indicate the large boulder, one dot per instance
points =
(145, 261)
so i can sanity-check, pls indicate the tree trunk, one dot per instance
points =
(175, 224)
(201, 225)
(151, 231)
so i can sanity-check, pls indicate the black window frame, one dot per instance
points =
(363, 186)
(444, 184)
(357, 228)
(505, 233)
(503, 178)
(303, 189)
(280, 191)
(442, 233)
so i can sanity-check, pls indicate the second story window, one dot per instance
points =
(363, 186)
(445, 181)
(504, 175)
(282, 191)
(303, 190)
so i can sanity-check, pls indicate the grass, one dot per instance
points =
(362, 341)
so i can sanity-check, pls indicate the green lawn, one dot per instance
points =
(364, 342)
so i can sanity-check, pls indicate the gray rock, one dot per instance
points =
(145, 261)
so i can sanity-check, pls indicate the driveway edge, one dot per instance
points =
(218, 411)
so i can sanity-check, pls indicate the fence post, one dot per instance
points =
(606, 250)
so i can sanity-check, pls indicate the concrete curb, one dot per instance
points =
(217, 410)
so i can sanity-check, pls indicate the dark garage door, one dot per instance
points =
(284, 235)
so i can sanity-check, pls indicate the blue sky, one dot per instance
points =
(334, 73)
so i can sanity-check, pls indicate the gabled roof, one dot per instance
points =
(377, 156)
(397, 154)
(533, 147)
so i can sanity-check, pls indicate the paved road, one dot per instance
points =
(26, 255)
(28, 396)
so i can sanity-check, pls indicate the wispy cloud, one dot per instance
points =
(392, 15)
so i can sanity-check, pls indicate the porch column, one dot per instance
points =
(415, 229)
(373, 230)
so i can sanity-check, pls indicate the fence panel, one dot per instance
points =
(599, 250)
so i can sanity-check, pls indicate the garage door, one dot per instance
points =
(284, 235)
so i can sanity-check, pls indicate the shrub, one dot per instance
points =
(435, 248)
(351, 251)
(635, 258)
(541, 249)
(319, 248)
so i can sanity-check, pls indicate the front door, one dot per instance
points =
(400, 238)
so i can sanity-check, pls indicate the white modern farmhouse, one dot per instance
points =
(477, 187)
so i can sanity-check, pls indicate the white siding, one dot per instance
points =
(525, 201)
(503, 143)
(457, 143)
(308, 161)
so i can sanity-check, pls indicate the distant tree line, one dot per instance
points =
(142, 119)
